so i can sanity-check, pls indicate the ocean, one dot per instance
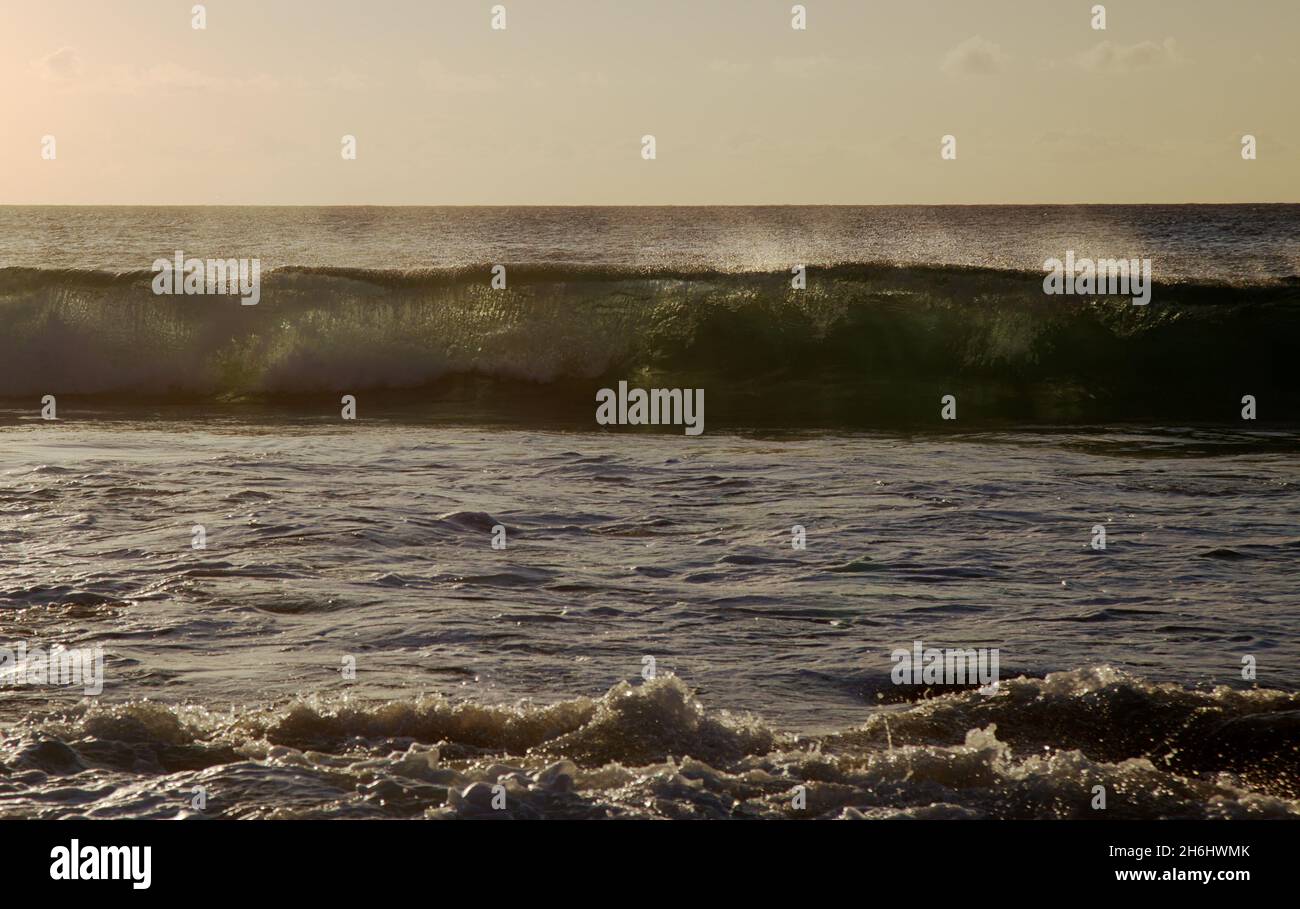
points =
(473, 584)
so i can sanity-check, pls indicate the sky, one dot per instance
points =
(146, 110)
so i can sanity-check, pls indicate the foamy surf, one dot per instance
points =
(656, 750)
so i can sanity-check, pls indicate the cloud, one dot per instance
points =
(63, 65)
(975, 56)
(437, 77)
(810, 67)
(345, 80)
(1115, 58)
(172, 77)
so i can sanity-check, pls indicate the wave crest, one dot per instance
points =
(865, 343)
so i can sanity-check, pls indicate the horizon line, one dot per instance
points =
(617, 204)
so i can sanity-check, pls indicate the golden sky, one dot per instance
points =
(146, 109)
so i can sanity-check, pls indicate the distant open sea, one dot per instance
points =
(333, 544)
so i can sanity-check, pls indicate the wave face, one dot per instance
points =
(861, 345)
(1035, 750)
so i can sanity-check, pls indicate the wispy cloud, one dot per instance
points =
(63, 65)
(65, 69)
(438, 77)
(976, 56)
(807, 67)
(729, 67)
(173, 77)
(1118, 58)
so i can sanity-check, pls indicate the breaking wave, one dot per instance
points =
(1037, 749)
(862, 344)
